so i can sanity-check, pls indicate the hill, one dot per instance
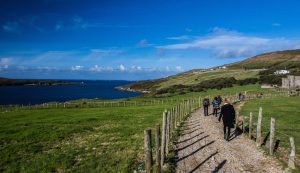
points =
(190, 80)
(288, 59)
(243, 72)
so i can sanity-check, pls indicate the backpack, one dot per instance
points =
(205, 102)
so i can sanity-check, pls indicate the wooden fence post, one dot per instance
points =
(167, 132)
(292, 155)
(272, 135)
(244, 124)
(250, 125)
(258, 131)
(175, 117)
(171, 121)
(148, 150)
(158, 149)
(163, 139)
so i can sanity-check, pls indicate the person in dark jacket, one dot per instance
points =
(205, 106)
(215, 104)
(228, 116)
(220, 100)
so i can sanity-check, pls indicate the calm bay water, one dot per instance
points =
(41, 94)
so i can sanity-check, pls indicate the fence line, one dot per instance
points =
(269, 132)
(99, 104)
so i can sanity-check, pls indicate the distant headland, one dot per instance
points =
(14, 82)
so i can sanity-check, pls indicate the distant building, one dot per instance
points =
(291, 82)
(281, 72)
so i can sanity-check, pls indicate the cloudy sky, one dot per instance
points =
(138, 39)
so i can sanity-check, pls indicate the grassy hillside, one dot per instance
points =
(189, 78)
(289, 59)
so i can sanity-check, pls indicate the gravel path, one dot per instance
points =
(202, 148)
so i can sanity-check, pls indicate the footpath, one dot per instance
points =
(202, 148)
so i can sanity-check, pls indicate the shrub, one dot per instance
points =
(247, 81)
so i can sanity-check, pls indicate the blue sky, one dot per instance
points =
(133, 40)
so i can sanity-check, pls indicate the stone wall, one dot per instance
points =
(291, 81)
(297, 81)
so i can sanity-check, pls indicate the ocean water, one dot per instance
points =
(41, 94)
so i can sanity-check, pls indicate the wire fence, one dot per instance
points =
(278, 140)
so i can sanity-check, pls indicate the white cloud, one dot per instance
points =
(122, 67)
(231, 44)
(179, 68)
(46, 68)
(5, 62)
(143, 43)
(136, 68)
(183, 37)
(107, 51)
(96, 68)
(76, 68)
(12, 27)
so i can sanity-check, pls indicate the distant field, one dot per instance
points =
(196, 77)
(83, 139)
(287, 114)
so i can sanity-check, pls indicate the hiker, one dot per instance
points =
(215, 104)
(220, 100)
(228, 116)
(240, 96)
(205, 106)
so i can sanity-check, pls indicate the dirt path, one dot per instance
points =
(202, 148)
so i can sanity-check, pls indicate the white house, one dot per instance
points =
(282, 72)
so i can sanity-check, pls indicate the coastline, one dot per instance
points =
(130, 90)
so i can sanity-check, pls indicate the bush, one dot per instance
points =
(271, 79)
(247, 81)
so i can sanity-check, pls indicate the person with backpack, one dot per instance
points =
(220, 100)
(215, 104)
(228, 116)
(205, 106)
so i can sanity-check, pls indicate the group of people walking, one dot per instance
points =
(227, 113)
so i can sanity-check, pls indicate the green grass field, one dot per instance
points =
(75, 140)
(287, 114)
(108, 139)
